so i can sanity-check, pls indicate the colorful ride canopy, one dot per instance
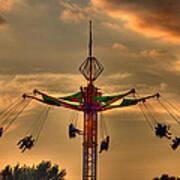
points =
(102, 103)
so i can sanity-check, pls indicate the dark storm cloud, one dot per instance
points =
(148, 17)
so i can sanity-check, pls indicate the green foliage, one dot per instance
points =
(43, 171)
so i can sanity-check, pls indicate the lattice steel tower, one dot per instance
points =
(91, 69)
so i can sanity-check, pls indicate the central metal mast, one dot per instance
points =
(90, 39)
(91, 69)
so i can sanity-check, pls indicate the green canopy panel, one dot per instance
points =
(78, 99)
(51, 101)
(129, 102)
(106, 99)
(124, 103)
(73, 98)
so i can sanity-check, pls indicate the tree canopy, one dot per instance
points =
(166, 177)
(43, 171)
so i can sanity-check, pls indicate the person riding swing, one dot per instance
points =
(162, 131)
(105, 144)
(176, 143)
(73, 131)
(1, 131)
(26, 143)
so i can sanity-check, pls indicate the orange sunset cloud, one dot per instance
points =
(150, 18)
(67, 15)
(7, 5)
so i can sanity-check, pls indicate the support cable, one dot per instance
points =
(42, 125)
(76, 119)
(152, 116)
(32, 128)
(6, 115)
(72, 118)
(101, 119)
(173, 109)
(170, 114)
(16, 116)
(105, 127)
(170, 104)
(146, 117)
(9, 107)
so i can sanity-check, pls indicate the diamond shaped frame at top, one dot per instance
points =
(88, 73)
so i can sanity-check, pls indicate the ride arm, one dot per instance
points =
(136, 101)
(33, 97)
(100, 108)
(157, 95)
(60, 102)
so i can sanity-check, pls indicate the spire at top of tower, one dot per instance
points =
(90, 38)
(91, 68)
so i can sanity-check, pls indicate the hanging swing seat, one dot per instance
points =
(73, 131)
(1, 131)
(162, 131)
(26, 143)
(176, 143)
(105, 144)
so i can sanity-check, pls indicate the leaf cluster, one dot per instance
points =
(166, 177)
(43, 171)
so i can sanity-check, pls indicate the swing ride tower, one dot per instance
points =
(91, 69)
(89, 101)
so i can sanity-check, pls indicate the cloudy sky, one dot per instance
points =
(43, 43)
